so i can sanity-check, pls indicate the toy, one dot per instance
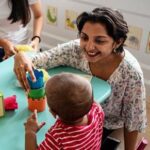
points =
(45, 74)
(2, 111)
(39, 79)
(36, 96)
(37, 93)
(142, 144)
(24, 48)
(10, 103)
(38, 104)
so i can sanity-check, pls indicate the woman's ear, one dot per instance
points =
(119, 42)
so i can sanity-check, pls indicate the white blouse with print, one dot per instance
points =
(126, 105)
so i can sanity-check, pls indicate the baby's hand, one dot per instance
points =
(32, 124)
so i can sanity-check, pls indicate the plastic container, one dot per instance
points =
(38, 104)
(39, 80)
(37, 93)
(142, 144)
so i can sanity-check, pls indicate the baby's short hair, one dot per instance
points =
(69, 96)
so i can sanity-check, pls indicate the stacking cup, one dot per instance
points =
(36, 95)
(39, 80)
(38, 104)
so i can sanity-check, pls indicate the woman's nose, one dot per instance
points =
(90, 46)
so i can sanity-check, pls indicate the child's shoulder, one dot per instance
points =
(96, 108)
(96, 113)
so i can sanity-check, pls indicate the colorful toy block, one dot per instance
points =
(36, 95)
(2, 110)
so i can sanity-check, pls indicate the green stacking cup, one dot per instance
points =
(37, 93)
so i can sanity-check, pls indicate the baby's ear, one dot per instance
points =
(53, 113)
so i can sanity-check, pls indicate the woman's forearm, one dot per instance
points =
(130, 139)
(3, 42)
(38, 18)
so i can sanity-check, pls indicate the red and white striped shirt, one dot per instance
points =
(67, 137)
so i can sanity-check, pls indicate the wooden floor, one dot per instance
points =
(119, 134)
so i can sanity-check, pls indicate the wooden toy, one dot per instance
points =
(2, 111)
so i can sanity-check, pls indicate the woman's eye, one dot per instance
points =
(100, 41)
(84, 38)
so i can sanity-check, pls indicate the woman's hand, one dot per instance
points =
(22, 65)
(8, 48)
(35, 44)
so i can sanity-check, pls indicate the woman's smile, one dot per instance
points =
(92, 56)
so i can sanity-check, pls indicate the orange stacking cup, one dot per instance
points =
(38, 104)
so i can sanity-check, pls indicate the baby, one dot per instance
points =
(79, 122)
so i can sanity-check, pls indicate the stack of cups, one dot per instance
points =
(36, 95)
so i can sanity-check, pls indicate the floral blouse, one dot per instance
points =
(126, 105)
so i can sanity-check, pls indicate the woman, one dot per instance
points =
(14, 18)
(99, 51)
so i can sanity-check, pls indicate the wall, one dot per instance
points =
(136, 13)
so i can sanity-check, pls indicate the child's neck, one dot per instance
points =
(82, 121)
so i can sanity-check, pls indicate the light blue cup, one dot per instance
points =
(39, 83)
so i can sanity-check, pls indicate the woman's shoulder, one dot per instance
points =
(72, 45)
(128, 69)
(131, 63)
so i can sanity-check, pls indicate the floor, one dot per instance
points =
(119, 134)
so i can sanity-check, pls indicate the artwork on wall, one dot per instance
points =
(134, 38)
(70, 19)
(148, 44)
(52, 15)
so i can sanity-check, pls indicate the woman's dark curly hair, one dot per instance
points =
(113, 20)
(19, 11)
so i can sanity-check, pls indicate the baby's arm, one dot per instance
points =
(31, 127)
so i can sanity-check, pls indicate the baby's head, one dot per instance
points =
(69, 96)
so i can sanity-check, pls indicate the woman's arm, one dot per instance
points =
(130, 139)
(64, 54)
(134, 110)
(37, 23)
(23, 64)
(8, 47)
(67, 54)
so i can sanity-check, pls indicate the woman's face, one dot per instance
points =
(95, 42)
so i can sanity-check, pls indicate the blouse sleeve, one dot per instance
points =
(134, 104)
(64, 54)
